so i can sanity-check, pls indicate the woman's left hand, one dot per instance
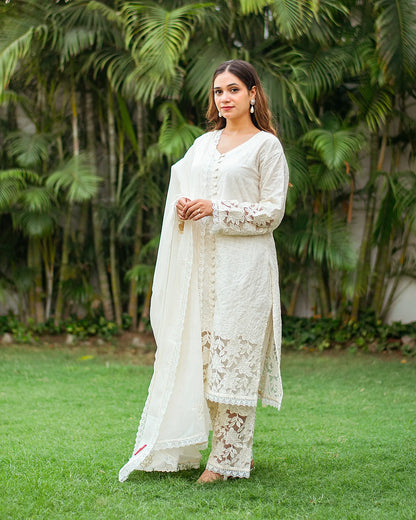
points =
(197, 209)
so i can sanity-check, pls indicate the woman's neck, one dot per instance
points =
(239, 127)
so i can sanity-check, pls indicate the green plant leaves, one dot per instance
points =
(76, 178)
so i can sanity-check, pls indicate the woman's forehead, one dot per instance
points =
(226, 79)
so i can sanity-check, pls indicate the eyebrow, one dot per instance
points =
(229, 85)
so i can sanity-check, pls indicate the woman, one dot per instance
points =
(215, 306)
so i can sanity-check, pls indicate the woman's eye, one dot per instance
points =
(234, 90)
(217, 92)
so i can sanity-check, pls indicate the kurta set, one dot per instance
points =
(215, 310)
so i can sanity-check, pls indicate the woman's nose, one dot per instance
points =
(224, 97)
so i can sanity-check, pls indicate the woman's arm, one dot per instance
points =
(231, 217)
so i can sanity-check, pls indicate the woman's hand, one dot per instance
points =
(180, 207)
(197, 209)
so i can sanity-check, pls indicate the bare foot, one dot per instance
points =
(209, 476)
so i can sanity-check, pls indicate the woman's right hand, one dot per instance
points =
(180, 207)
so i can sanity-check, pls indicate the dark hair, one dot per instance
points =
(246, 73)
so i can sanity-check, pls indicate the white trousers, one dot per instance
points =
(232, 439)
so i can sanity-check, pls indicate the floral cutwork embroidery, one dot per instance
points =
(232, 440)
(237, 216)
(231, 368)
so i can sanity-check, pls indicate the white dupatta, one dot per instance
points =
(175, 422)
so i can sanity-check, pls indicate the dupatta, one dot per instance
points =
(175, 421)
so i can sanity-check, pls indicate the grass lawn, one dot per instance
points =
(342, 447)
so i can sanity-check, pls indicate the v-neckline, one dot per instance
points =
(218, 137)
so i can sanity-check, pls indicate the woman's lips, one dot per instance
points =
(226, 108)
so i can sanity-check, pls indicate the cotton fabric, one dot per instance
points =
(215, 308)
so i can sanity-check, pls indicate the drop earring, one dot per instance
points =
(252, 103)
(219, 113)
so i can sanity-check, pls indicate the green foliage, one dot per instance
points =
(176, 134)
(80, 328)
(76, 178)
(335, 146)
(367, 335)
(396, 38)
(98, 98)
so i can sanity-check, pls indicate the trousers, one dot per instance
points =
(232, 439)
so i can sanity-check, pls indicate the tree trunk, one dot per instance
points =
(96, 222)
(112, 156)
(48, 249)
(363, 265)
(64, 267)
(133, 304)
(296, 288)
(398, 275)
(39, 292)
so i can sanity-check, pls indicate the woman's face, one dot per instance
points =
(231, 96)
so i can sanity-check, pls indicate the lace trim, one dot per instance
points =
(201, 441)
(230, 400)
(174, 469)
(228, 473)
(270, 402)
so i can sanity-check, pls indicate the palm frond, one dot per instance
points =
(10, 55)
(147, 82)
(322, 69)
(36, 199)
(76, 178)
(335, 146)
(293, 17)
(299, 175)
(142, 274)
(405, 195)
(328, 179)
(93, 17)
(396, 37)
(253, 6)
(29, 149)
(75, 41)
(201, 68)
(328, 16)
(8, 97)
(158, 37)
(176, 135)
(33, 223)
(117, 64)
(110, 14)
(12, 183)
(374, 104)
(327, 240)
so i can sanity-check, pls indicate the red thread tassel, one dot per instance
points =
(140, 449)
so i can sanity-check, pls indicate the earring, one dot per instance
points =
(219, 113)
(252, 103)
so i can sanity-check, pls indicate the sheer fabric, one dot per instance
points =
(232, 439)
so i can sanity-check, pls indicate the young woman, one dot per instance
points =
(215, 307)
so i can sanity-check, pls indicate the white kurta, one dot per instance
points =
(215, 306)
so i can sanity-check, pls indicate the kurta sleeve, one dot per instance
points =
(232, 217)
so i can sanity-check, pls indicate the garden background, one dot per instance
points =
(98, 98)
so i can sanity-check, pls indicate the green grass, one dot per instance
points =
(342, 447)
